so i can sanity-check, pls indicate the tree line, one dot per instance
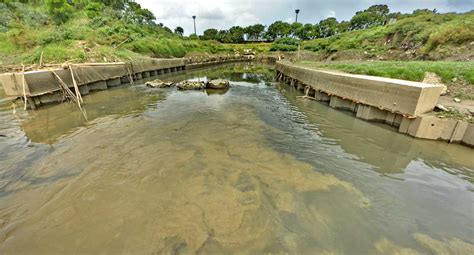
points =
(375, 15)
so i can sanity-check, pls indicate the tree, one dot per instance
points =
(328, 27)
(210, 34)
(278, 29)
(375, 15)
(94, 9)
(418, 12)
(294, 27)
(343, 26)
(254, 32)
(59, 10)
(179, 31)
(307, 32)
(236, 34)
(136, 14)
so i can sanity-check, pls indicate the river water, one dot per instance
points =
(252, 170)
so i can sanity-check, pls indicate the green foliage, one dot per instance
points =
(255, 32)
(375, 15)
(406, 70)
(94, 9)
(278, 29)
(210, 34)
(59, 10)
(285, 44)
(179, 31)
(328, 27)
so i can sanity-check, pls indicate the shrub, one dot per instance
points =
(285, 44)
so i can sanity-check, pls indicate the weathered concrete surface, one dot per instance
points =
(113, 82)
(44, 82)
(399, 96)
(431, 127)
(468, 137)
(344, 104)
(412, 115)
(98, 85)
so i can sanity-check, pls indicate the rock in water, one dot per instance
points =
(191, 85)
(218, 84)
(159, 83)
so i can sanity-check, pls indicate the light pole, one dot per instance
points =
(194, 20)
(297, 11)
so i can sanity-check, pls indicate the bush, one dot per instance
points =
(94, 9)
(59, 10)
(285, 44)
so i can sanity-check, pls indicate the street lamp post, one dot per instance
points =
(297, 11)
(194, 20)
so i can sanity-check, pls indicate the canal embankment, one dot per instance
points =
(55, 84)
(406, 105)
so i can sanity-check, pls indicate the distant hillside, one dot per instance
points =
(427, 36)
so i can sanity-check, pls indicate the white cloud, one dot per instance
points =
(216, 14)
(331, 13)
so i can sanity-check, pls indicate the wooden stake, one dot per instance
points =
(24, 85)
(66, 89)
(41, 60)
(76, 88)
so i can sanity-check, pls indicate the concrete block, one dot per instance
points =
(99, 85)
(300, 86)
(51, 98)
(340, 103)
(403, 97)
(113, 82)
(161, 71)
(434, 128)
(84, 89)
(468, 137)
(145, 75)
(138, 76)
(393, 119)
(321, 96)
(125, 79)
(370, 113)
(154, 73)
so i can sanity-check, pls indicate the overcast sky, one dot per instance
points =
(223, 14)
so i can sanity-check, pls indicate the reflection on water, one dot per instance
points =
(250, 170)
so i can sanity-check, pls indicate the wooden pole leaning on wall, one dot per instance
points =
(76, 88)
(23, 81)
(69, 93)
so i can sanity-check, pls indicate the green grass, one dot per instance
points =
(425, 35)
(406, 70)
(455, 114)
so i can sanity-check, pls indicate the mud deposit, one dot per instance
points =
(251, 170)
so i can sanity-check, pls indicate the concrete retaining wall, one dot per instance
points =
(398, 96)
(42, 87)
(403, 104)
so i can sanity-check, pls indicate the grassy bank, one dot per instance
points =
(430, 36)
(458, 76)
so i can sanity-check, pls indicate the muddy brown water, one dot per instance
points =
(252, 170)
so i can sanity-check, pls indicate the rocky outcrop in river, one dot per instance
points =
(159, 84)
(191, 85)
(218, 84)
